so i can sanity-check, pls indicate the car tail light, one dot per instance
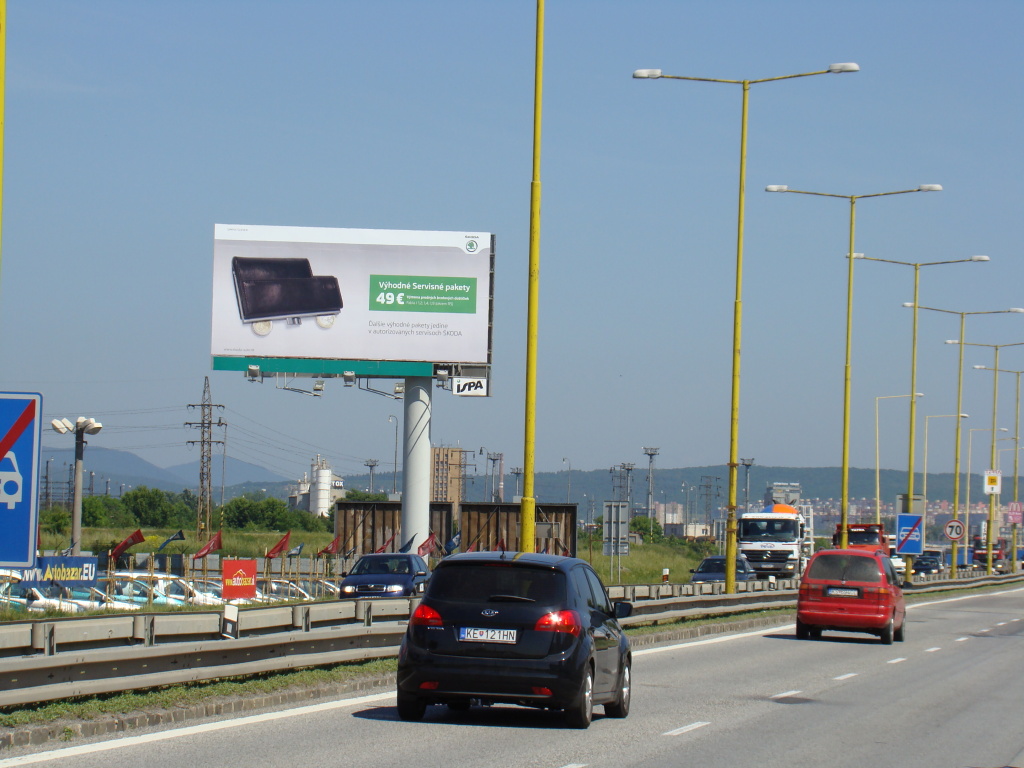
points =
(539, 691)
(425, 616)
(560, 621)
(429, 685)
(811, 590)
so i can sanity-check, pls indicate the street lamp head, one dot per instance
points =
(930, 188)
(859, 256)
(908, 303)
(647, 74)
(776, 188)
(1016, 309)
(58, 426)
(979, 367)
(964, 416)
(979, 258)
(848, 66)
(952, 341)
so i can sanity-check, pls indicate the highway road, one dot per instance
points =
(948, 697)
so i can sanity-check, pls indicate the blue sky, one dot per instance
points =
(132, 128)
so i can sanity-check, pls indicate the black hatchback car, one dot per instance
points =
(516, 628)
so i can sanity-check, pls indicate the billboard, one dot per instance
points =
(307, 298)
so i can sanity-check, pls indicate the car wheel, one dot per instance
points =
(802, 630)
(410, 708)
(581, 712)
(886, 635)
(901, 634)
(620, 707)
(816, 633)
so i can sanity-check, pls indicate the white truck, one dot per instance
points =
(777, 541)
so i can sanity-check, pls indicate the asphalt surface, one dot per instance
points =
(948, 696)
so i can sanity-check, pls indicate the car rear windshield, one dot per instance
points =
(486, 583)
(845, 568)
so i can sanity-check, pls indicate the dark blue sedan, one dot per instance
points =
(713, 569)
(385, 575)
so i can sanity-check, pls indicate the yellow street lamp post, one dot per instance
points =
(734, 416)
(1016, 460)
(528, 501)
(992, 458)
(967, 499)
(959, 405)
(851, 255)
(924, 470)
(878, 469)
(913, 369)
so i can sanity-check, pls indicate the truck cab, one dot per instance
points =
(774, 541)
(867, 536)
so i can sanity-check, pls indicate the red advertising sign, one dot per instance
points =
(239, 579)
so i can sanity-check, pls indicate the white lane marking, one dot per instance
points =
(785, 695)
(932, 650)
(961, 639)
(895, 661)
(686, 728)
(575, 765)
(982, 630)
(1001, 624)
(847, 676)
(192, 730)
(710, 640)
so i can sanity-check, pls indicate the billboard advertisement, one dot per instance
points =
(311, 293)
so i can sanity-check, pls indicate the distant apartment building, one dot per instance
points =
(448, 474)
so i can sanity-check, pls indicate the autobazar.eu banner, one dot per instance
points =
(70, 571)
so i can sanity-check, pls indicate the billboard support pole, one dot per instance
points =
(416, 464)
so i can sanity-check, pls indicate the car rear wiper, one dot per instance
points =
(510, 599)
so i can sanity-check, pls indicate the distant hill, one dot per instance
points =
(582, 486)
(125, 468)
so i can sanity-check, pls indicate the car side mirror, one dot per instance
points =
(693, 570)
(344, 573)
(622, 610)
(421, 573)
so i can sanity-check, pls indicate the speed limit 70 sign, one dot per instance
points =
(954, 530)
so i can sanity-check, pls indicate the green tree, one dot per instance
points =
(649, 529)
(56, 521)
(106, 512)
(150, 506)
(353, 495)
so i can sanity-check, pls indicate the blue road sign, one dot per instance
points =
(909, 534)
(20, 434)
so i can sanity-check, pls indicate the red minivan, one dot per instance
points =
(851, 590)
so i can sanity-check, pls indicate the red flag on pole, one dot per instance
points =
(385, 545)
(280, 547)
(500, 546)
(332, 548)
(428, 546)
(472, 547)
(135, 538)
(213, 544)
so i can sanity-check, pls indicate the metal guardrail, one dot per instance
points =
(49, 659)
